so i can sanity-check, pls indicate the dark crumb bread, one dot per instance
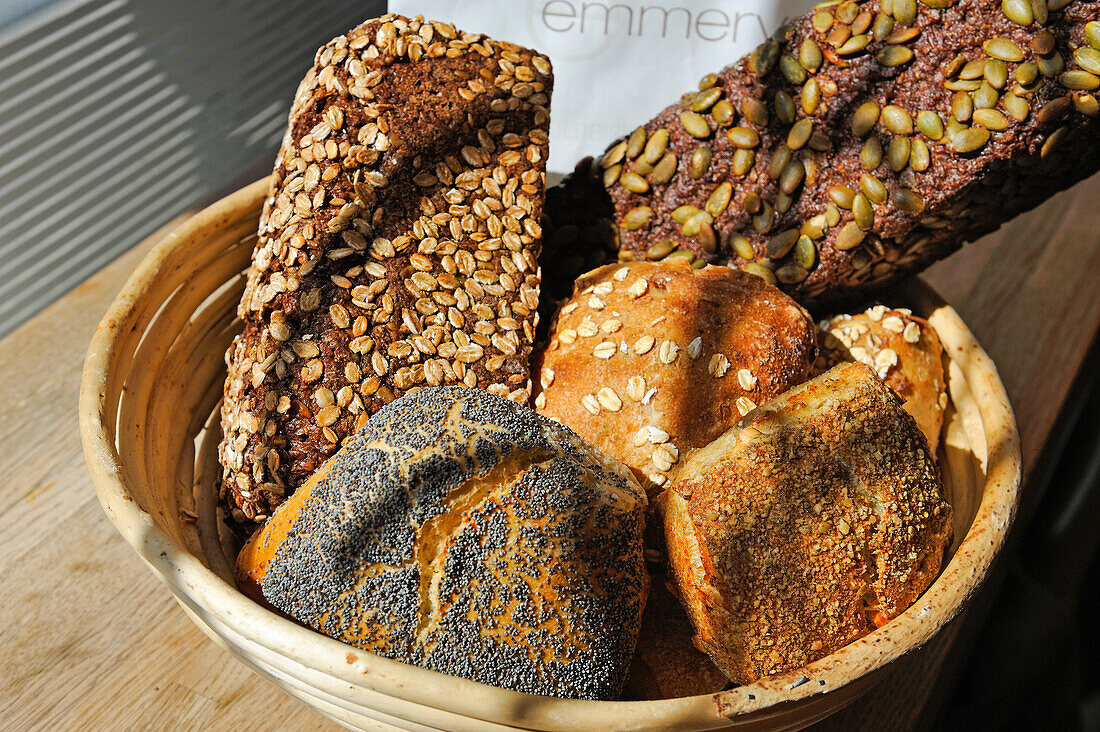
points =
(397, 249)
(817, 521)
(861, 143)
(649, 361)
(464, 533)
(904, 351)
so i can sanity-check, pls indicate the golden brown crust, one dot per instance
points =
(397, 249)
(904, 351)
(821, 518)
(649, 361)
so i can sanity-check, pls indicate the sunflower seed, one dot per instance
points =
(907, 200)
(636, 218)
(890, 56)
(864, 119)
(849, 236)
(800, 133)
(742, 161)
(897, 120)
(873, 188)
(871, 153)
(1079, 80)
(897, 153)
(920, 158)
(1003, 48)
(719, 199)
(1018, 11)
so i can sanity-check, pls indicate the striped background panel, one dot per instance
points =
(117, 115)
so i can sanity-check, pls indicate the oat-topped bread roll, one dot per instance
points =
(904, 351)
(397, 249)
(862, 142)
(464, 533)
(819, 520)
(649, 361)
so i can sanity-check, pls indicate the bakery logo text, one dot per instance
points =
(654, 21)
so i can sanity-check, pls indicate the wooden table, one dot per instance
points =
(90, 640)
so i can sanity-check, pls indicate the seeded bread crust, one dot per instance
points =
(904, 351)
(649, 361)
(819, 520)
(930, 122)
(464, 533)
(397, 248)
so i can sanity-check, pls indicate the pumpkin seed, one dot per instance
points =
(755, 111)
(665, 169)
(811, 96)
(637, 217)
(742, 246)
(1079, 80)
(1027, 73)
(847, 11)
(953, 66)
(704, 100)
(990, 119)
(864, 119)
(973, 69)
(751, 203)
(707, 238)
(961, 84)
(873, 188)
(783, 202)
(743, 137)
(695, 124)
(641, 167)
(905, 11)
(799, 133)
(996, 73)
(863, 212)
(636, 143)
(814, 227)
(1018, 11)
(719, 198)
(962, 106)
(755, 268)
(692, 225)
(784, 107)
(897, 120)
(1092, 33)
(939, 4)
(907, 200)
(820, 141)
(1003, 48)
(849, 236)
(708, 81)
(792, 70)
(723, 113)
(684, 254)
(681, 214)
(870, 155)
(930, 124)
(1088, 59)
(781, 243)
(809, 55)
(1056, 5)
(832, 214)
(805, 253)
(969, 139)
(633, 182)
(791, 273)
(884, 26)
(954, 127)
(920, 157)
(763, 221)
(894, 55)
(614, 155)
(1054, 141)
(1086, 104)
(611, 175)
(699, 161)
(742, 161)
(1043, 43)
(655, 146)
(660, 249)
(897, 154)
(762, 59)
(903, 35)
(822, 21)
(842, 196)
(855, 44)
(1017, 107)
(985, 96)
(780, 158)
(792, 177)
(1052, 65)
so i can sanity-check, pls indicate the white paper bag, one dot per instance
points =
(618, 62)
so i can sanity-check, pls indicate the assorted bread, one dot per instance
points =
(378, 450)
(860, 143)
(464, 533)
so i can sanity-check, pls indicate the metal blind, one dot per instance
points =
(116, 116)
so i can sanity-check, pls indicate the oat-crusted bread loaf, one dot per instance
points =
(904, 351)
(398, 247)
(863, 142)
(819, 520)
(464, 533)
(651, 360)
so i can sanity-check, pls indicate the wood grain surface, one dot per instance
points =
(90, 640)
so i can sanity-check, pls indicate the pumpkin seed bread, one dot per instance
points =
(904, 351)
(817, 520)
(397, 248)
(862, 142)
(461, 532)
(649, 361)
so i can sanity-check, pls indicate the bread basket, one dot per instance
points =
(148, 419)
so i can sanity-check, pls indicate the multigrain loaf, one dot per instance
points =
(397, 248)
(904, 351)
(649, 361)
(860, 143)
(464, 533)
(818, 520)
